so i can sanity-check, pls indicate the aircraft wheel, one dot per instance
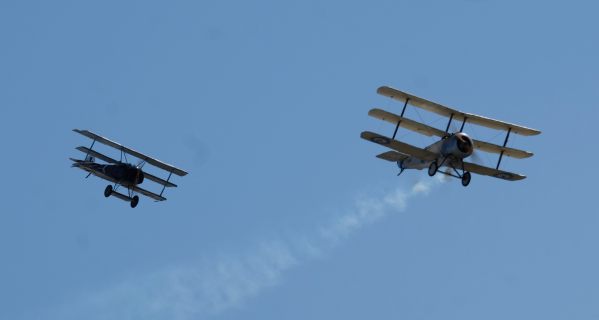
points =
(466, 179)
(108, 191)
(134, 201)
(432, 169)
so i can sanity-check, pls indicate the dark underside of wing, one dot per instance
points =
(107, 159)
(96, 170)
(93, 168)
(148, 194)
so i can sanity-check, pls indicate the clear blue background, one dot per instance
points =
(263, 102)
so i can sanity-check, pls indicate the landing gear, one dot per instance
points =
(134, 201)
(466, 179)
(432, 169)
(108, 191)
(112, 191)
(452, 170)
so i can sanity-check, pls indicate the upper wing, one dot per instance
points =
(475, 168)
(399, 146)
(132, 152)
(457, 115)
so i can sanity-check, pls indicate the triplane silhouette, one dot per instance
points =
(121, 172)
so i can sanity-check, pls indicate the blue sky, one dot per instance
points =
(286, 213)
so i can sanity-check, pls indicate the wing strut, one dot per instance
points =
(90, 148)
(463, 123)
(164, 185)
(504, 144)
(399, 121)
(88, 158)
(449, 123)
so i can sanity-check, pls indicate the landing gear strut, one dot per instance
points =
(465, 176)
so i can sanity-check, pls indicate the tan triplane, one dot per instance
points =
(452, 148)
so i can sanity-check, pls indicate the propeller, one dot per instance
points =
(475, 156)
(464, 143)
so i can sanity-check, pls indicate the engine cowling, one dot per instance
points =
(459, 145)
(140, 176)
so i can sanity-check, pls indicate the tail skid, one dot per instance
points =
(401, 168)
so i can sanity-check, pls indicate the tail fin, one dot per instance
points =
(76, 163)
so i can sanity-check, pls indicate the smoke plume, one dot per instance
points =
(209, 287)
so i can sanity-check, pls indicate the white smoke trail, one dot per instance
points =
(212, 286)
(370, 210)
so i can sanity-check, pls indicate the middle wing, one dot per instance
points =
(507, 151)
(399, 146)
(108, 159)
(431, 131)
(456, 114)
(406, 123)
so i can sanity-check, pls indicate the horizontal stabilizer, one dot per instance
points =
(475, 168)
(392, 156)
(456, 114)
(399, 146)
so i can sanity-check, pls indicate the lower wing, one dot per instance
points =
(475, 168)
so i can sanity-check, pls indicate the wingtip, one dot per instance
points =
(381, 89)
(373, 111)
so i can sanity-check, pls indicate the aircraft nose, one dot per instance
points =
(465, 143)
(140, 177)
